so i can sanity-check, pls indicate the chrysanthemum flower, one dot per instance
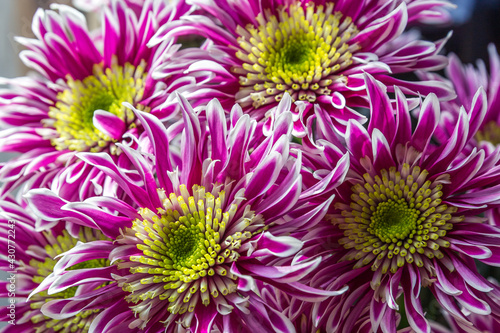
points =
(200, 232)
(406, 218)
(316, 51)
(73, 103)
(466, 80)
(29, 257)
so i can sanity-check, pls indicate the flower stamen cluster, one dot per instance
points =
(106, 90)
(298, 52)
(187, 250)
(395, 218)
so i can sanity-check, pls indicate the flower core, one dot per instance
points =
(300, 52)
(490, 133)
(106, 90)
(81, 321)
(187, 250)
(396, 217)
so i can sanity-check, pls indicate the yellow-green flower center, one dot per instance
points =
(394, 218)
(187, 250)
(393, 221)
(302, 52)
(80, 322)
(490, 132)
(106, 90)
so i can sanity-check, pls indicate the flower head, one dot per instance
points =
(29, 257)
(466, 80)
(406, 218)
(199, 230)
(74, 102)
(316, 51)
(484, 126)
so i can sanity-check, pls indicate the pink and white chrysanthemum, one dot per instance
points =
(200, 231)
(73, 102)
(406, 218)
(466, 80)
(316, 51)
(28, 257)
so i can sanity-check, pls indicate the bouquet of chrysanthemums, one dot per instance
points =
(249, 166)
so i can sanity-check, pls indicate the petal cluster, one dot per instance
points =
(210, 166)
(315, 51)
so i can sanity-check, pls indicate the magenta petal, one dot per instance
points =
(79, 276)
(50, 207)
(218, 130)
(472, 279)
(159, 139)
(472, 303)
(478, 111)
(284, 197)
(446, 153)
(83, 252)
(377, 311)
(111, 320)
(413, 308)
(283, 274)
(114, 204)
(443, 283)
(306, 215)
(358, 140)
(264, 175)
(205, 320)
(383, 118)
(329, 182)
(245, 282)
(145, 171)
(388, 323)
(472, 250)
(427, 122)
(283, 246)
(95, 299)
(109, 124)
(383, 30)
(108, 223)
(280, 322)
(477, 233)
(465, 171)
(310, 294)
(191, 168)
(105, 163)
(382, 156)
(494, 260)
(238, 141)
(448, 303)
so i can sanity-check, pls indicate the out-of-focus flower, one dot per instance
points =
(316, 51)
(466, 80)
(73, 102)
(196, 241)
(406, 218)
(29, 257)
